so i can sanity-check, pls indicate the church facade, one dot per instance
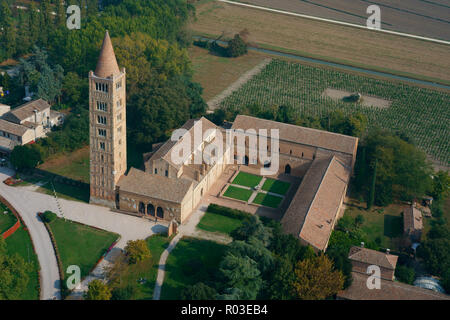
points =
(171, 190)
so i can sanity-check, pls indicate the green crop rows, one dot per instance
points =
(423, 114)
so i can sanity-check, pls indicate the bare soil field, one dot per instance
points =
(418, 17)
(216, 74)
(367, 101)
(326, 41)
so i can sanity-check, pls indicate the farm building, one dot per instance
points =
(412, 223)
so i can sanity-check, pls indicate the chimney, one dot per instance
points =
(388, 251)
(362, 244)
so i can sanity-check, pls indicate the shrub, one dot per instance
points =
(228, 212)
(236, 47)
(98, 290)
(126, 293)
(48, 216)
(405, 274)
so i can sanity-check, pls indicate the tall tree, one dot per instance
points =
(371, 198)
(316, 279)
(8, 34)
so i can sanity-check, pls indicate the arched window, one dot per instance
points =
(150, 210)
(287, 169)
(160, 212)
(141, 207)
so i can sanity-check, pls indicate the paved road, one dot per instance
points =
(28, 203)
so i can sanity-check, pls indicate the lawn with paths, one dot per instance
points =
(238, 193)
(276, 186)
(247, 180)
(267, 200)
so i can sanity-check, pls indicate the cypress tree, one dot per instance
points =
(371, 199)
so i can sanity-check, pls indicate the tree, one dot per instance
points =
(241, 273)
(198, 291)
(441, 185)
(282, 278)
(137, 251)
(126, 293)
(371, 199)
(60, 17)
(13, 274)
(253, 227)
(98, 290)
(405, 274)
(8, 34)
(236, 47)
(316, 279)
(436, 255)
(25, 157)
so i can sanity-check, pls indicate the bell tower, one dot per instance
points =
(107, 126)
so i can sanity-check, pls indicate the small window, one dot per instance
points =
(167, 173)
(156, 171)
(101, 120)
(102, 132)
(119, 117)
(102, 145)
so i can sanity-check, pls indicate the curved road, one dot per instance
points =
(28, 203)
(28, 209)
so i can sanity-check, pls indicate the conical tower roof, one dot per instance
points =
(107, 63)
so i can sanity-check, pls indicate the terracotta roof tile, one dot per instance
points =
(390, 290)
(107, 63)
(412, 219)
(302, 135)
(315, 206)
(26, 110)
(154, 186)
(373, 257)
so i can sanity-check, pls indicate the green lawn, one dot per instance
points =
(65, 191)
(20, 243)
(6, 220)
(146, 269)
(267, 200)
(276, 186)
(238, 193)
(247, 180)
(384, 227)
(191, 261)
(79, 244)
(214, 222)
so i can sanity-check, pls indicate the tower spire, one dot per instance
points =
(107, 63)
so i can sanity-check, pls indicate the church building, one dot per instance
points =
(171, 190)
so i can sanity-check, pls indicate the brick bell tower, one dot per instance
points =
(107, 126)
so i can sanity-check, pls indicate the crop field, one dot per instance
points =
(424, 18)
(423, 114)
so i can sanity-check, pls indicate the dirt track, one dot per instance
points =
(418, 17)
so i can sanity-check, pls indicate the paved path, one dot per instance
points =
(28, 203)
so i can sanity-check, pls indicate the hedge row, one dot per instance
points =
(228, 212)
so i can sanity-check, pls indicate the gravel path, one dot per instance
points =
(215, 102)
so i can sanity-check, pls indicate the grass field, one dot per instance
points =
(79, 244)
(247, 180)
(326, 41)
(146, 269)
(20, 243)
(74, 165)
(6, 220)
(276, 186)
(215, 74)
(422, 114)
(238, 193)
(214, 222)
(383, 228)
(190, 262)
(267, 200)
